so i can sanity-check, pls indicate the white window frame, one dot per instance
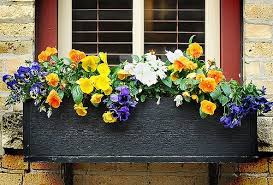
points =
(212, 28)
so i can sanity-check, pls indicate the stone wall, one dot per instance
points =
(17, 44)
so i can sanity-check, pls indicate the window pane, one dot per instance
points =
(170, 23)
(103, 25)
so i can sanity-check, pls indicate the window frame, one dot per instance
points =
(229, 42)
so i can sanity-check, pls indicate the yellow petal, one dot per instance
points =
(103, 69)
(86, 85)
(103, 57)
(90, 62)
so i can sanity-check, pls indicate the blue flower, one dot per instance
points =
(35, 68)
(12, 85)
(123, 113)
(23, 75)
(7, 78)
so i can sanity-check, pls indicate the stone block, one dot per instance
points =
(12, 130)
(14, 162)
(10, 179)
(265, 134)
(259, 49)
(260, 166)
(259, 11)
(258, 31)
(42, 179)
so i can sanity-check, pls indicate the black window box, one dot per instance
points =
(154, 133)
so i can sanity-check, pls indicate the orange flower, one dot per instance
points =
(43, 56)
(195, 50)
(180, 64)
(200, 77)
(53, 99)
(217, 75)
(208, 107)
(52, 79)
(51, 51)
(76, 55)
(207, 85)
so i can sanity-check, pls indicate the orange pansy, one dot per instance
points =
(53, 99)
(180, 64)
(52, 79)
(76, 55)
(43, 56)
(195, 50)
(51, 51)
(217, 75)
(208, 107)
(207, 85)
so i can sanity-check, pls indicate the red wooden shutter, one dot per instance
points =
(231, 50)
(46, 24)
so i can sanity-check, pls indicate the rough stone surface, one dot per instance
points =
(17, 13)
(259, 11)
(10, 179)
(260, 166)
(12, 130)
(265, 134)
(15, 31)
(14, 162)
(42, 179)
(17, 47)
(254, 49)
(254, 31)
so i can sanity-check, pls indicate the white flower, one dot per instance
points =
(129, 68)
(158, 101)
(144, 73)
(173, 56)
(178, 100)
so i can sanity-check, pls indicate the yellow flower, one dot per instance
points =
(103, 57)
(170, 67)
(90, 62)
(174, 76)
(52, 79)
(103, 82)
(191, 75)
(76, 55)
(195, 50)
(195, 97)
(51, 51)
(108, 91)
(80, 109)
(96, 98)
(103, 69)
(200, 77)
(186, 94)
(108, 117)
(86, 85)
(208, 107)
(122, 74)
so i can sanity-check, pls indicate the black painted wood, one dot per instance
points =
(154, 133)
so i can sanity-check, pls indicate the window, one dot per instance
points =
(126, 27)
(168, 24)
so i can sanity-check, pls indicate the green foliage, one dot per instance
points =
(77, 94)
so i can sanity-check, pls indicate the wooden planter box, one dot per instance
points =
(153, 133)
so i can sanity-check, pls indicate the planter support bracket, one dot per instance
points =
(214, 172)
(67, 173)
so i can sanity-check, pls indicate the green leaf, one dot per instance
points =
(136, 58)
(183, 84)
(202, 114)
(223, 100)
(77, 94)
(61, 94)
(226, 88)
(66, 61)
(142, 98)
(214, 95)
(191, 38)
(167, 81)
(55, 58)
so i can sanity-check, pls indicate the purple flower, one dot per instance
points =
(23, 75)
(123, 113)
(35, 68)
(7, 78)
(124, 90)
(124, 99)
(12, 85)
(114, 98)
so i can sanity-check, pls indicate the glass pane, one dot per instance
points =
(85, 4)
(160, 15)
(113, 48)
(115, 26)
(160, 4)
(84, 15)
(191, 4)
(115, 4)
(84, 37)
(115, 14)
(160, 37)
(192, 15)
(87, 48)
(115, 37)
(84, 26)
(192, 26)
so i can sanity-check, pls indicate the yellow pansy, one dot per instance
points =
(86, 85)
(94, 81)
(195, 97)
(80, 109)
(96, 98)
(174, 76)
(191, 75)
(103, 69)
(52, 79)
(90, 62)
(108, 91)
(122, 74)
(103, 57)
(186, 94)
(108, 117)
(103, 82)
